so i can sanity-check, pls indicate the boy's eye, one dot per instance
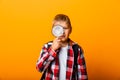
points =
(65, 28)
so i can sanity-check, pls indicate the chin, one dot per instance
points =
(64, 40)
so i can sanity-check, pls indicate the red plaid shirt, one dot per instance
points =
(49, 60)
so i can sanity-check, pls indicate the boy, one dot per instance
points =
(57, 58)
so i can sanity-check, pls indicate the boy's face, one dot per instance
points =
(67, 30)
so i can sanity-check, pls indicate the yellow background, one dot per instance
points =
(25, 25)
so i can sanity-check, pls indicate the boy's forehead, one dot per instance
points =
(62, 23)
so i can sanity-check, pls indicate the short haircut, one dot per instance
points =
(63, 17)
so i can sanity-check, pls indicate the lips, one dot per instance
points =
(62, 36)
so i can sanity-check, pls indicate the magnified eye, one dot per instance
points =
(57, 30)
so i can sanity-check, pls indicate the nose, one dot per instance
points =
(63, 31)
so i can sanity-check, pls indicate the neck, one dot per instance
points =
(65, 43)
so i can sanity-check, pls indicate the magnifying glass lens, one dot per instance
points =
(57, 31)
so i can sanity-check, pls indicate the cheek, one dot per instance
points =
(67, 32)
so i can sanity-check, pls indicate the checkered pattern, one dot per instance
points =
(49, 60)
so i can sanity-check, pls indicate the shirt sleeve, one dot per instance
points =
(82, 73)
(47, 55)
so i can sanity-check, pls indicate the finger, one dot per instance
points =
(57, 39)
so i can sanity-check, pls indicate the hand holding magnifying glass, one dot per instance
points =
(57, 31)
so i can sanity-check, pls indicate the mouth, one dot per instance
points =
(62, 36)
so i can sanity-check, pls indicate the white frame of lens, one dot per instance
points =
(57, 30)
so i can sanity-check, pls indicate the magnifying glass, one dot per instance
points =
(57, 30)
